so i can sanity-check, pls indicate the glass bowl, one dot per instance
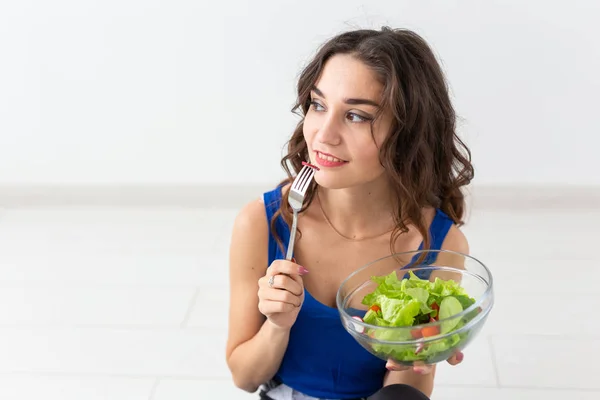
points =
(424, 342)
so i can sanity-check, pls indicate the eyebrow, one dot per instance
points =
(350, 101)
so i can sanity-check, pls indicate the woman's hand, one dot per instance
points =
(281, 293)
(423, 369)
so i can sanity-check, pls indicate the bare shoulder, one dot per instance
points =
(456, 241)
(252, 217)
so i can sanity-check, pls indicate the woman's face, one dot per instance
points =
(337, 126)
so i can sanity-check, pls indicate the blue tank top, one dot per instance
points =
(322, 359)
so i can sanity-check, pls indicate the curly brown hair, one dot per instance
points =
(423, 156)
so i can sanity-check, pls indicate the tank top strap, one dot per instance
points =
(439, 228)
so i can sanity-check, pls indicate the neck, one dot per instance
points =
(360, 212)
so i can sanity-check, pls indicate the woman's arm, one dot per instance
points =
(255, 348)
(423, 382)
(454, 241)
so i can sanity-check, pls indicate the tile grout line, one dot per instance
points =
(520, 387)
(54, 285)
(494, 361)
(190, 308)
(108, 375)
(153, 390)
(45, 326)
(227, 379)
(157, 380)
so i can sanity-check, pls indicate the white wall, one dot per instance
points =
(138, 91)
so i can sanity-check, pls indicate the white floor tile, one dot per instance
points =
(550, 277)
(73, 388)
(200, 389)
(211, 308)
(547, 235)
(552, 221)
(547, 362)
(139, 268)
(476, 369)
(114, 351)
(449, 393)
(94, 306)
(561, 313)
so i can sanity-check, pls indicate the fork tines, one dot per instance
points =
(303, 179)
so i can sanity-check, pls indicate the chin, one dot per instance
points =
(347, 179)
(330, 182)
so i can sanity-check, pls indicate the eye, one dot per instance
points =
(353, 117)
(316, 106)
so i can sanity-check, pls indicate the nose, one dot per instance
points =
(329, 131)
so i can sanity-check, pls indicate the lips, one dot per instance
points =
(329, 157)
(328, 161)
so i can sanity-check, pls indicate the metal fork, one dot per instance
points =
(295, 199)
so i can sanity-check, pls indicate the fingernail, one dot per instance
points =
(302, 270)
(460, 356)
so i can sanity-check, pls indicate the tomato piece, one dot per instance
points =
(311, 165)
(375, 307)
(431, 330)
(416, 333)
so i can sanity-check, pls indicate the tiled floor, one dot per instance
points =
(112, 303)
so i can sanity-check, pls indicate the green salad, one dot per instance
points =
(414, 302)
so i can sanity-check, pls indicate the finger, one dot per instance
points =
(423, 369)
(456, 358)
(285, 282)
(291, 283)
(285, 267)
(298, 280)
(268, 307)
(393, 366)
(280, 295)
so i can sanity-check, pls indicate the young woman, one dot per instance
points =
(378, 122)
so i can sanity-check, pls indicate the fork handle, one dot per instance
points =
(290, 249)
